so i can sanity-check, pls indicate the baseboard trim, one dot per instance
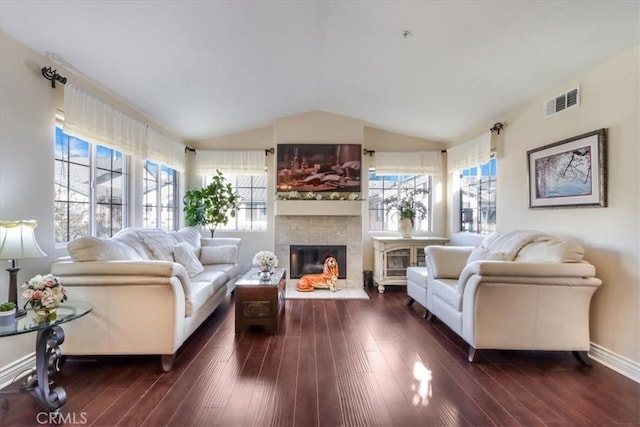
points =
(16, 370)
(611, 360)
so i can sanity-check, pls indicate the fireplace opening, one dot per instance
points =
(309, 259)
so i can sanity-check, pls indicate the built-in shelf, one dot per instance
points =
(318, 207)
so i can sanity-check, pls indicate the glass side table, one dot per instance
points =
(48, 353)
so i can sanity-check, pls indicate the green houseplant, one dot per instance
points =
(212, 205)
(7, 312)
(408, 207)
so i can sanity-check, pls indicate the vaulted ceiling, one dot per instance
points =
(433, 69)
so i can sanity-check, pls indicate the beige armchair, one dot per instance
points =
(522, 290)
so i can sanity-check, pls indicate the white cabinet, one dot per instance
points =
(392, 256)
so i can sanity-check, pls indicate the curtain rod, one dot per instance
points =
(53, 75)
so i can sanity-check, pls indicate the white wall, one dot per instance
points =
(27, 130)
(611, 236)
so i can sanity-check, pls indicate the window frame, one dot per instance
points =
(161, 208)
(378, 209)
(260, 207)
(470, 218)
(95, 164)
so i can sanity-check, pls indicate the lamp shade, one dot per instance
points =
(18, 240)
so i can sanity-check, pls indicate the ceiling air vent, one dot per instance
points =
(562, 102)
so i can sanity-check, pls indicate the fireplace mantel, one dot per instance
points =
(319, 207)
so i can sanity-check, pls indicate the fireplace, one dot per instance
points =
(309, 259)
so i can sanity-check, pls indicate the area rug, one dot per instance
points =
(292, 293)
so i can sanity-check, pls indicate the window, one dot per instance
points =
(160, 189)
(252, 207)
(90, 189)
(478, 198)
(383, 187)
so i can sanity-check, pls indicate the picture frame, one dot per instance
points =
(318, 171)
(569, 173)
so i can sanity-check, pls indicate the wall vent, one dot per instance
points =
(562, 102)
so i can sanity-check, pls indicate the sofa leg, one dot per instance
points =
(426, 314)
(429, 316)
(583, 357)
(410, 301)
(167, 361)
(472, 354)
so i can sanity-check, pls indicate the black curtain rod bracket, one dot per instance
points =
(497, 128)
(52, 75)
(369, 152)
(193, 150)
(269, 151)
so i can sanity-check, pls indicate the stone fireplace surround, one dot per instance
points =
(322, 230)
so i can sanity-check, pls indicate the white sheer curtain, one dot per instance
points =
(161, 149)
(408, 162)
(92, 119)
(474, 152)
(230, 161)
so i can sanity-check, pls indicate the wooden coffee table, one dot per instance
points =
(260, 302)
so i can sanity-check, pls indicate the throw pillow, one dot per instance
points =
(551, 251)
(95, 249)
(480, 253)
(183, 254)
(159, 242)
(225, 254)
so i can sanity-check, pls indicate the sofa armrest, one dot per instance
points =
(446, 262)
(220, 241)
(117, 268)
(570, 274)
(532, 269)
(122, 272)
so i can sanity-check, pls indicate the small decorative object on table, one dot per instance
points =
(7, 313)
(265, 261)
(409, 206)
(44, 294)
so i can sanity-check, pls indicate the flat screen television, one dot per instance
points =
(319, 171)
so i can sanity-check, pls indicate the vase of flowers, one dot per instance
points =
(44, 294)
(409, 207)
(265, 261)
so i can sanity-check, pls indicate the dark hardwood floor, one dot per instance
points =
(337, 363)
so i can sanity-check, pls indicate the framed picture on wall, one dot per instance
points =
(569, 173)
(319, 171)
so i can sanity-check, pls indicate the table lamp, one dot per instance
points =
(17, 241)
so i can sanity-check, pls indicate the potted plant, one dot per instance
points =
(7, 313)
(211, 205)
(409, 208)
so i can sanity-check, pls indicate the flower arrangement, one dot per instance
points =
(44, 292)
(265, 259)
(407, 205)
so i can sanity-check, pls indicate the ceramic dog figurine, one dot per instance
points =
(328, 279)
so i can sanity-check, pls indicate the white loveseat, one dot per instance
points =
(150, 289)
(520, 290)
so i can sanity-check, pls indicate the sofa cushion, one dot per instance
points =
(183, 254)
(129, 237)
(417, 275)
(551, 250)
(215, 278)
(226, 254)
(480, 253)
(510, 242)
(94, 249)
(159, 242)
(447, 290)
(190, 235)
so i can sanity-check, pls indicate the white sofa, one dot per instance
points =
(150, 289)
(519, 290)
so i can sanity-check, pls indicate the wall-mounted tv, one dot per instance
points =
(310, 171)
